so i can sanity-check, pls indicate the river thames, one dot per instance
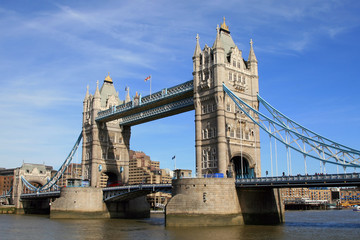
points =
(331, 224)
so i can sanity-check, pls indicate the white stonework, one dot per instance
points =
(224, 135)
(105, 153)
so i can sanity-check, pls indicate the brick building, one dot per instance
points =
(6, 180)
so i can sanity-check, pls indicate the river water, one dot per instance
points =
(310, 225)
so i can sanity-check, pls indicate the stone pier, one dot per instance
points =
(217, 202)
(78, 202)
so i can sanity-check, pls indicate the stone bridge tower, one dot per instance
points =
(37, 175)
(226, 140)
(105, 152)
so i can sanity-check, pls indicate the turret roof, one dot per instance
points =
(225, 38)
(108, 89)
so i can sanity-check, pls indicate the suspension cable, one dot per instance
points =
(271, 160)
(276, 158)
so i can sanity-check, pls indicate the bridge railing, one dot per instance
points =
(320, 177)
(40, 194)
(164, 93)
(111, 192)
(157, 111)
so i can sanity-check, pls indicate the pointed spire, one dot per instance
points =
(224, 27)
(197, 48)
(252, 57)
(87, 92)
(108, 79)
(217, 43)
(127, 99)
(97, 92)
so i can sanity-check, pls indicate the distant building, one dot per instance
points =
(321, 194)
(350, 196)
(144, 171)
(182, 173)
(6, 180)
(289, 194)
(73, 171)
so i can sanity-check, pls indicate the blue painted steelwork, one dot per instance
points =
(316, 138)
(7, 194)
(52, 182)
(166, 93)
(326, 180)
(297, 137)
(132, 191)
(50, 194)
(154, 112)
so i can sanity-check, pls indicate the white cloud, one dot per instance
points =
(48, 56)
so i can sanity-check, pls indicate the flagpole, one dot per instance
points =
(174, 158)
(150, 86)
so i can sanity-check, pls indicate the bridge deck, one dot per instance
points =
(330, 180)
(131, 191)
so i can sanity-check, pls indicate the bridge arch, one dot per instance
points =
(36, 183)
(242, 166)
(110, 179)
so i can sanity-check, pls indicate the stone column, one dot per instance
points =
(198, 138)
(221, 135)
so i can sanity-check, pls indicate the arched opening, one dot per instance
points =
(241, 168)
(109, 179)
(35, 184)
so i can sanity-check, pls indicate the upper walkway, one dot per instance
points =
(167, 102)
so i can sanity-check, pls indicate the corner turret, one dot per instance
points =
(252, 61)
(197, 51)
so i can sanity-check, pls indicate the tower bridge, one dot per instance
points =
(224, 93)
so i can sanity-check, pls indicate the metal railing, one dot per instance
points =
(157, 111)
(292, 181)
(163, 94)
(112, 192)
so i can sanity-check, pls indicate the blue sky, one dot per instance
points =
(51, 50)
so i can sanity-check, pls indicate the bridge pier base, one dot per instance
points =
(134, 208)
(38, 206)
(261, 206)
(217, 202)
(78, 202)
(203, 202)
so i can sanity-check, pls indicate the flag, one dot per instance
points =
(148, 78)
(173, 157)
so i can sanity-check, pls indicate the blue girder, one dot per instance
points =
(155, 100)
(52, 182)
